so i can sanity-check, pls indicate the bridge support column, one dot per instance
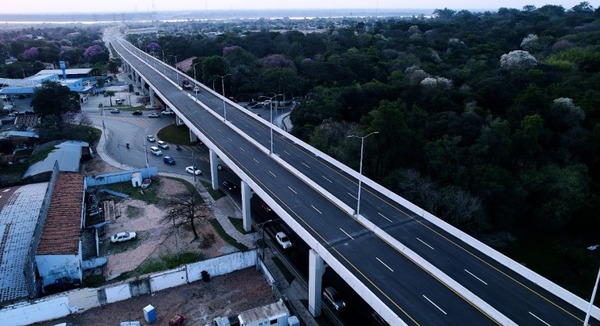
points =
(316, 268)
(246, 196)
(143, 83)
(193, 136)
(214, 161)
(151, 97)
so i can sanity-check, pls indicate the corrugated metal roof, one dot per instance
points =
(73, 71)
(63, 223)
(19, 212)
(68, 155)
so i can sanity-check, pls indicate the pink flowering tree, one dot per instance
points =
(92, 50)
(153, 47)
(31, 53)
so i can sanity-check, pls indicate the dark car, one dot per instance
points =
(137, 112)
(169, 160)
(229, 185)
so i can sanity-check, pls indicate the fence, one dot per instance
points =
(80, 300)
(110, 178)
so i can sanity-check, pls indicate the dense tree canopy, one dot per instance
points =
(54, 99)
(496, 110)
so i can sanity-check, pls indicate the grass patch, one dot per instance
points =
(286, 272)
(133, 212)
(176, 135)
(41, 155)
(238, 223)
(168, 262)
(149, 195)
(215, 194)
(226, 236)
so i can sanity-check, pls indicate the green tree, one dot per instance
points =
(110, 95)
(54, 99)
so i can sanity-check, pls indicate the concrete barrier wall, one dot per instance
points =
(80, 300)
(168, 279)
(123, 176)
(221, 265)
(45, 309)
(117, 293)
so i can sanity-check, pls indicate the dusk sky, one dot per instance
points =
(65, 6)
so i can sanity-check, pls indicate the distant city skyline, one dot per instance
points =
(109, 6)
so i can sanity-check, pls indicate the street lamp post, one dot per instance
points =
(176, 71)
(196, 88)
(261, 228)
(362, 143)
(271, 110)
(223, 91)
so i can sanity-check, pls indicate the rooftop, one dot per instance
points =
(63, 224)
(68, 154)
(73, 71)
(19, 212)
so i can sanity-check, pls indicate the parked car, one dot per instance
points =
(137, 112)
(163, 144)
(150, 138)
(155, 150)
(167, 112)
(115, 111)
(229, 185)
(169, 160)
(193, 170)
(153, 115)
(283, 240)
(333, 297)
(123, 236)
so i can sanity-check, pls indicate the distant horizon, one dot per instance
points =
(30, 7)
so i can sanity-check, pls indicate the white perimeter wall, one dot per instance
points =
(80, 300)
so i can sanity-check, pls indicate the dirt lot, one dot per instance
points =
(156, 235)
(199, 302)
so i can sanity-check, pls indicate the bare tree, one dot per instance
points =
(187, 206)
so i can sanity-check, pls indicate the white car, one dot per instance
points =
(193, 170)
(155, 150)
(283, 240)
(123, 236)
(167, 112)
(150, 138)
(163, 144)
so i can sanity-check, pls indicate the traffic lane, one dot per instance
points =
(226, 143)
(510, 293)
(419, 298)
